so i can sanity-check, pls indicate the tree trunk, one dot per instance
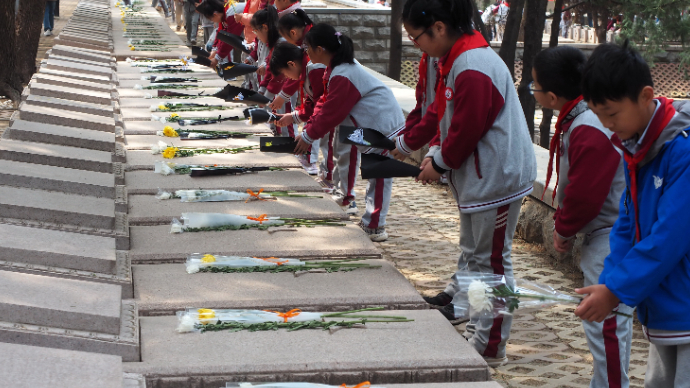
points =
(547, 114)
(513, 20)
(395, 57)
(29, 22)
(9, 83)
(603, 16)
(534, 33)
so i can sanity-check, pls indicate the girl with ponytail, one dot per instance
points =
(221, 14)
(352, 97)
(484, 146)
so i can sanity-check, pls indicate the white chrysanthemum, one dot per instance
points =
(147, 95)
(176, 228)
(164, 195)
(158, 148)
(479, 295)
(160, 133)
(186, 324)
(138, 87)
(155, 118)
(193, 268)
(153, 108)
(145, 77)
(128, 60)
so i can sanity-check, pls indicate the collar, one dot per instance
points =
(635, 143)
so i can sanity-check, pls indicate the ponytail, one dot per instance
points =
(209, 7)
(455, 14)
(269, 17)
(336, 43)
(295, 19)
(283, 53)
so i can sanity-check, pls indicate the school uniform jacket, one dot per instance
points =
(312, 76)
(425, 93)
(228, 24)
(484, 135)
(353, 96)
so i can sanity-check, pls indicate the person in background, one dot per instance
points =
(179, 13)
(49, 17)
(161, 4)
(191, 18)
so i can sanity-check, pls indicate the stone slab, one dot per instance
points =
(69, 105)
(92, 55)
(135, 73)
(204, 84)
(166, 288)
(92, 39)
(66, 118)
(36, 367)
(317, 242)
(144, 142)
(61, 135)
(139, 114)
(151, 127)
(81, 61)
(426, 350)
(59, 179)
(147, 182)
(69, 82)
(57, 208)
(58, 248)
(122, 277)
(145, 103)
(148, 210)
(101, 79)
(61, 303)
(82, 68)
(124, 344)
(144, 160)
(66, 41)
(69, 93)
(141, 93)
(56, 155)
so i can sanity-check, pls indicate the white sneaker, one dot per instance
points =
(376, 235)
(496, 362)
(313, 169)
(48, 33)
(350, 209)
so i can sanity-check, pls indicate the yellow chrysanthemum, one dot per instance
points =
(269, 143)
(163, 107)
(208, 259)
(174, 115)
(170, 132)
(206, 314)
(169, 152)
(132, 48)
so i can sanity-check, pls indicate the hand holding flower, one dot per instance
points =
(597, 304)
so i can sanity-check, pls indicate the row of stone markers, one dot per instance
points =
(91, 277)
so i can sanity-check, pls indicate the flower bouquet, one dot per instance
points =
(487, 295)
(226, 195)
(170, 152)
(175, 118)
(196, 170)
(204, 222)
(232, 264)
(187, 107)
(168, 131)
(139, 61)
(165, 86)
(203, 320)
(157, 79)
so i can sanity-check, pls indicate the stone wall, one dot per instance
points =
(369, 29)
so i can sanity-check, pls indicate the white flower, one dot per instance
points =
(145, 77)
(155, 118)
(160, 133)
(158, 148)
(164, 168)
(153, 108)
(147, 95)
(193, 268)
(138, 87)
(163, 195)
(176, 228)
(186, 324)
(358, 137)
(479, 295)
(128, 60)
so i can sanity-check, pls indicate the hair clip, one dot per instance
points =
(338, 34)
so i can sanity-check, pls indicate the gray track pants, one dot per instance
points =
(668, 366)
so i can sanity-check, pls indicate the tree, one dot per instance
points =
(510, 37)
(20, 29)
(547, 114)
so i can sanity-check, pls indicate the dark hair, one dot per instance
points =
(559, 70)
(295, 19)
(337, 44)
(455, 14)
(208, 7)
(269, 17)
(613, 73)
(283, 53)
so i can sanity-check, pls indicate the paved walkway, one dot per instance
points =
(547, 348)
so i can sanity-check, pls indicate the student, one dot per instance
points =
(217, 12)
(590, 181)
(251, 80)
(484, 146)
(648, 266)
(284, 7)
(352, 97)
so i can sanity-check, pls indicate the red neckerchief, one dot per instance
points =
(303, 78)
(656, 126)
(423, 68)
(555, 146)
(464, 43)
(246, 6)
(326, 77)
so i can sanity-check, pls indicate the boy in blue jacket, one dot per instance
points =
(649, 264)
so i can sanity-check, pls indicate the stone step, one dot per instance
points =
(56, 155)
(151, 127)
(93, 55)
(130, 92)
(317, 242)
(94, 40)
(57, 208)
(138, 114)
(145, 103)
(76, 83)
(67, 118)
(147, 182)
(148, 210)
(204, 84)
(144, 142)
(82, 61)
(135, 73)
(100, 79)
(69, 93)
(426, 350)
(55, 248)
(166, 288)
(82, 68)
(60, 135)
(33, 366)
(144, 160)
(57, 179)
(60, 303)
(122, 277)
(73, 106)
(68, 41)
(124, 344)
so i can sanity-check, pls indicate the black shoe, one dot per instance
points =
(448, 311)
(442, 299)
